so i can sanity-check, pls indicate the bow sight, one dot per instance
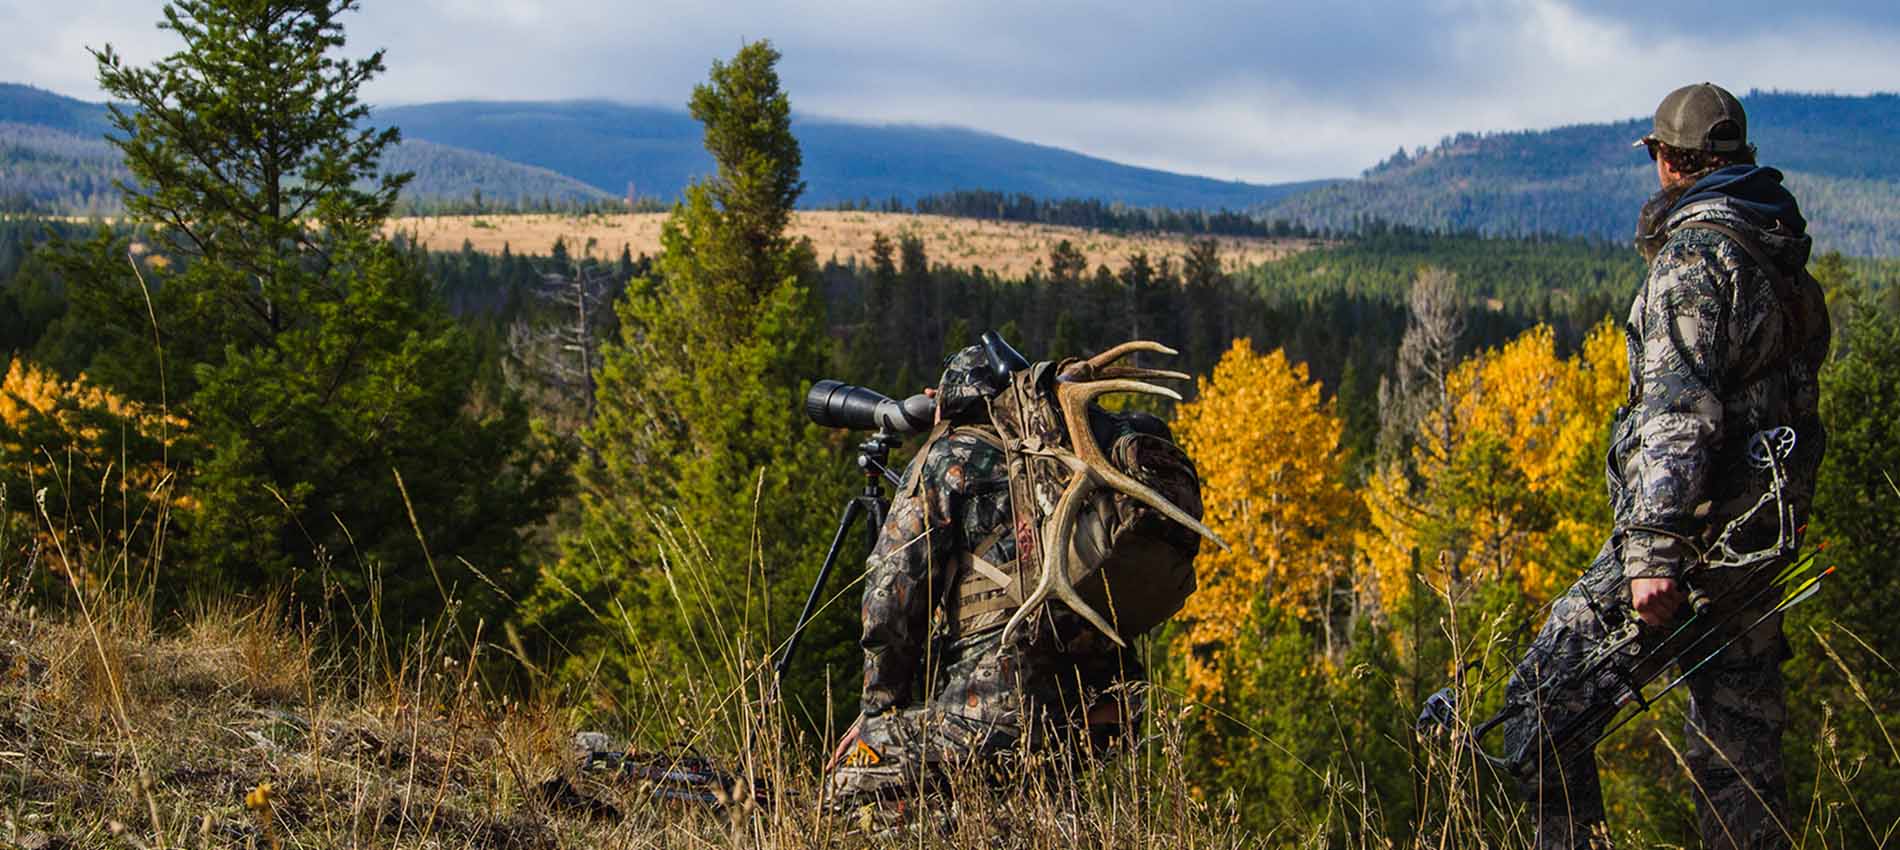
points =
(1569, 711)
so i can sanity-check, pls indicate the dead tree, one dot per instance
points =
(554, 346)
(1427, 354)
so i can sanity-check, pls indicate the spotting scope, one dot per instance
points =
(836, 404)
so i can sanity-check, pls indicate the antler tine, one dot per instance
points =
(1118, 352)
(1090, 390)
(1075, 398)
(1142, 374)
(1055, 565)
(1092, 469)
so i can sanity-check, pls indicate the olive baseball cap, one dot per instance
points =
(1700, 117)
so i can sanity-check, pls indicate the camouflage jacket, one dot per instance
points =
(1716, 354)
(955, 499)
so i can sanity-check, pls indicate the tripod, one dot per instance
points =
(873, 461)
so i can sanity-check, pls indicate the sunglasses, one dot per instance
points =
(1651, 145)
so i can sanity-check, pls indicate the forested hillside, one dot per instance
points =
(1580, 180)
(49, 170)
(445, 174)
(520, 154)
(54, 159)
(1585, 179)
(655, 151)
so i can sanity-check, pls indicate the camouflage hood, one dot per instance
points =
(1745, 197)
(968, 379)
(1751, 199)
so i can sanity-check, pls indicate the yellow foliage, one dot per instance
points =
(1270, 462)
(1390, 535)
(29, 393)
(28, 389)
(1549, 413)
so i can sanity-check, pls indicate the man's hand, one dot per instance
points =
(1655, 599)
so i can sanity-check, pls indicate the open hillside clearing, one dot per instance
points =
(1008, 248)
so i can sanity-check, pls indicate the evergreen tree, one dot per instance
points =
(1202, 279)
(1138, 279)
(1066, 263)
(876, 333)
(312, 361)
(710, 504)
(1857, 518)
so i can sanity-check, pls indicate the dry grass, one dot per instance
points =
(239, 731)
(247, 744)
(1010, 249)
(239, 725)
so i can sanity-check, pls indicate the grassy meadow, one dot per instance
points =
(1006, 248)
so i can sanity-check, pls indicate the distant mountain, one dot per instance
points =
(44, 169)
(655, 151)
(446, 173)
(31, 105)
(523, 152)
(1841, 156)
(54, 158)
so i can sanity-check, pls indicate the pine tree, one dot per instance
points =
(1203, 279)
(872, 337)
(1067, 264)
(313, 361)
(1857, 518)
(711, 501)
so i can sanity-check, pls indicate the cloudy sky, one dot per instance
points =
(1263, 91)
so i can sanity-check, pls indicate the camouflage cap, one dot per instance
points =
(968, 379)
(1700, 117)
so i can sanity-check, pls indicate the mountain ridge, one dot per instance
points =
(657, 150)
(1585, 179)
(620, 150)
(1580, 179)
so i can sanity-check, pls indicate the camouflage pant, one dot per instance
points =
(1733, 733)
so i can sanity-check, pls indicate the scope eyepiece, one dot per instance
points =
(836, 404)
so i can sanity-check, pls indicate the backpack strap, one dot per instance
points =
(976, 588)
(986, 436)
(1794, 312)
(985, 591)
(937, 433)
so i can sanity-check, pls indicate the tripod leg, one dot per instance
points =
(875, 505)
(851, 512)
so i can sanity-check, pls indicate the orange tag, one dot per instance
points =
(862, 756)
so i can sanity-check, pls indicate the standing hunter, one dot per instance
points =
(1726, 338)
(963, 668)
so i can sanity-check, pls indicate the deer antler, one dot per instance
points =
(1079, 386)
(1108, 358)
(1103, 365)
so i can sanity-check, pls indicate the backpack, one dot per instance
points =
(1128, 564)
(1804, 309)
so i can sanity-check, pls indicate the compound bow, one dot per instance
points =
(1632, 654)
